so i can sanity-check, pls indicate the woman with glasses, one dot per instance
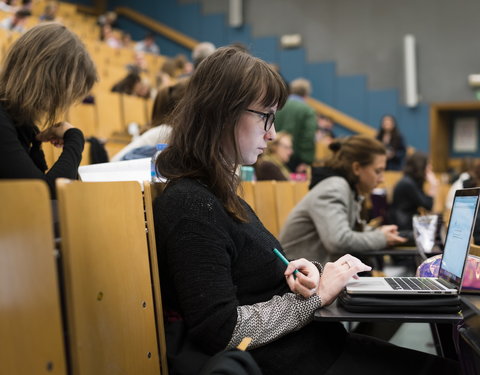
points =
(327, 223)
(272, 165)
(221, 280)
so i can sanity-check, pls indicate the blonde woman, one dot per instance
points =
(44, 73)
(272, 165)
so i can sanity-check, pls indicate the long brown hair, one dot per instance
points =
(356, 148)
(166, 100)
(219, 91)
(46, 70)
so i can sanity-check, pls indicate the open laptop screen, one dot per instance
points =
(457, 242)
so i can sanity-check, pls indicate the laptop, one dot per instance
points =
(450, 275)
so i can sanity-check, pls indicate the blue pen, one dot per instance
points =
(284, 260)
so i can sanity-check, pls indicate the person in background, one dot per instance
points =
(325, 129)
(148, 45)
(409, 195)
(272, 165)
(390, 136)
(473, 181)
(60, 72)
(221, 280)
(300, 120)
(201, 51)
(144, 145)
(132, 84)
(327, 223)
(17, 21)
(50, 12)
(468, 167)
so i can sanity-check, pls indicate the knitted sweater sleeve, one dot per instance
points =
(15, 162)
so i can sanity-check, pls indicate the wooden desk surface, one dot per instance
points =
(337, 313)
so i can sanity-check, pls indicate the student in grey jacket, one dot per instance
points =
(326, 224)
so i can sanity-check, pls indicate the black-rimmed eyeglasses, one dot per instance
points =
(269, 118)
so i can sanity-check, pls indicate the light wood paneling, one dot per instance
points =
(31, 334)
(110, 309)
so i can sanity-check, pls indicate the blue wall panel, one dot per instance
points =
(415, 127)
(351, 96)
(189, 20)
(348, 94)
(292, 63)
(265, 48)
(213, 29)
(380, 103)
(241, 35)
(322, 76)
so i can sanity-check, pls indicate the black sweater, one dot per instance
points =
(408, 196)
(21, 155)
(210, 264)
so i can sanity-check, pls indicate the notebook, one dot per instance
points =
(457, 244)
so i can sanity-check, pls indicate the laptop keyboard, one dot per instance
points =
(412, 283)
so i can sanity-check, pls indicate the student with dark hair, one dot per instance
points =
(409, 195)
(45, 72)
(327, 223)
(393, 141)
(144, 145)
(221, 280)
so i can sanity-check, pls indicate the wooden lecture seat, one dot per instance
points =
(31, 333)
(150, 192)
(108, 285)
(265, 205)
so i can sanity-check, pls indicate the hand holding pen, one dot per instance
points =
(302, 276)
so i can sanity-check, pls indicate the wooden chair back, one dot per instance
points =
(285, 200)
(109, 299)
(474, 249)
(246, 192)
(265, 205)
(31, 333)
(84, 117)
(150, 192)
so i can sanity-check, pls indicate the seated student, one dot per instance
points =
(272, 165)
(221, 280)
(132, 84)
(391, 137)
(55, 71)
(326, 223)
(165, 101)
(408, 194)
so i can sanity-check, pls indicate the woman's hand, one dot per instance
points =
(306, 280)
(336, 275)
(55, 133)
(391, 235)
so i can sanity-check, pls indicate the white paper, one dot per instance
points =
(465, 134)
(125, 170)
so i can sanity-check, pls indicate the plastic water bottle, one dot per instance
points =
(155, 176)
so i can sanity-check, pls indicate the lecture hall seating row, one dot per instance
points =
(92, 303)
(107, 279)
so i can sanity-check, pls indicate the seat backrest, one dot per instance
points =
(108, 293)
(84, 117)
(31, 334)
(285, 200)
(134, 109)
(150, 192)
(265, 205)
(246, 192)
(109, 113)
